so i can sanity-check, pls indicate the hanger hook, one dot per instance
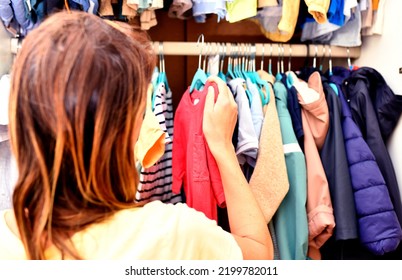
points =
(323, 57)
(200, 38)
(262, 57)
(253, 56)
(290, 58)
(160, 56)
(270, 59)
(283, 58)
(207, 54)
(223, 56)
(330, 60)
(315, 56)
(278, 62)
(349, 62)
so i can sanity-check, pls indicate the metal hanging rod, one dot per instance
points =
(295, 50)
(191, 49)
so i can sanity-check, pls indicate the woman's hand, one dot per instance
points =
(220, 118)
(247, 222)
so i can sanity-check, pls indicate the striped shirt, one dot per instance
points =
(156, 181)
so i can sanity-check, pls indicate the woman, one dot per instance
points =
(76, 105)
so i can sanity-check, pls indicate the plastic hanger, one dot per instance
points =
(244, 75)
(350, 66)
(330, 61)
(258, 81)
(270, 61)
(278, 65)
(290, 59)
(161, 78)
(282, 59)
(244, 62)
(262, 57)
(230, 73)
(200, 77)
(315, 57)
(205, 65)
(237, 63)
(322, 59)
(222, 61)
(330, 73)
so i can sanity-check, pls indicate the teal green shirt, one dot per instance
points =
(290, 220)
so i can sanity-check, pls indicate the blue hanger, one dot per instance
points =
(221, 62)
(229, 73)
(330, 73)
(330, 61)
(244, 75)
(200, 77)
(349, 62)
(256, 79)
(322, 59)
(279, 63)
(236, 64)
(161, 78)
(270, 61)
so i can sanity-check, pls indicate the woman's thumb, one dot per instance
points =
(209, 101)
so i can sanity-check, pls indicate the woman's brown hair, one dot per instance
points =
(78, 91)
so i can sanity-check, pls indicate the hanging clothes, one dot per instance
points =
(269, 181)
(294, 109)
(257, 114)
(150, 145)
(315, 119)
(247, 144)
(286, 26)
(238, 10)
(180, 9)
(379, 229)
(318, 9)
(202, 8)
(334, 160)
(194, 168)
(376, 110)
(354, 249)
(290, 219)
(156, 181)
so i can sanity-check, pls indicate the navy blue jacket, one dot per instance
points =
(379, 228)
(376, 110)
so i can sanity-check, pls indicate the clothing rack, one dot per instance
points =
(260, 49)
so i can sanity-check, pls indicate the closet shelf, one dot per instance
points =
(294, 50)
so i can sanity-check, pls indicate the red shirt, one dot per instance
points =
(193, 165)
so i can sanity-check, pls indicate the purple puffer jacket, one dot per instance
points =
(379, 228)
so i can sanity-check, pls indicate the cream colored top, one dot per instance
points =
(156, 231)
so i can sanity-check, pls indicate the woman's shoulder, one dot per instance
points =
(160, 231)
(165, 214)
(11, 246)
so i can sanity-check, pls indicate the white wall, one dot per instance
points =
(384, 53)
(5, 51)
